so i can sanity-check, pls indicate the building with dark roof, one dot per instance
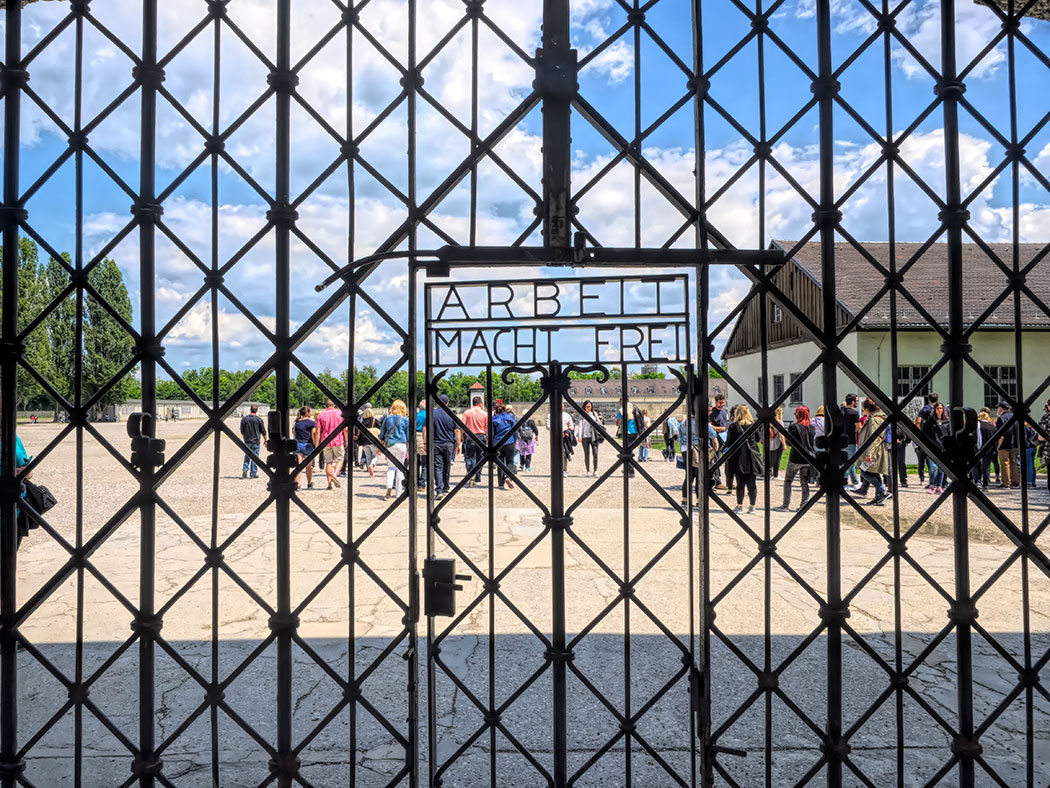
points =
(872, 313)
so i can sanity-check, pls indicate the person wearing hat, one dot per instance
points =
(445, 437)
(1008, 454)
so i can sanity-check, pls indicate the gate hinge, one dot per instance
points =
(440, 586)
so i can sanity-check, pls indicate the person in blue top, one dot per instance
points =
(22, 459)
(503, 427)
(421, 445)
(393, 434)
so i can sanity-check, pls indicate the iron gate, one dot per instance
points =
(558, 660)
(745, 687)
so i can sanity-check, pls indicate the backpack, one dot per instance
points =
(525, 433)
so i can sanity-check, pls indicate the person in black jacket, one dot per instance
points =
(935, 427)
(985, 430)
(799, 438)
(745, 462)
(253, 432)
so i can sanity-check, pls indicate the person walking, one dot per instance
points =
(900, 446)
(691, 460)
(589, 437)
(719, 421)
(253, 431)
(745, 462)
(525, 443)
(646, 442)
(476, 420)
(776, 443)
(920, 455)
(876, 460)
(1007, 448)
(935, 427)
(305, 430)
(369, 454)
(850, 428)
(562, 427)
(985, 430)
(328, 423)
(445, 439)
(393, 433)
(818, 422)
(1031, 447)
(504, 438)
(421, 445)
(670, 429)
(1044, 424)
(799, 439)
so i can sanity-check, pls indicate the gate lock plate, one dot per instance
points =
(440, 586)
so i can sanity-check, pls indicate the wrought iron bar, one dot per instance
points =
(558, 381)
(826, 217)
(147, 764)
(556, 83)
(286, 763)
(10, 764)
(950, 89)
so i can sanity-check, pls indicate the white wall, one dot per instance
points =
(871, 352)
(746, 370)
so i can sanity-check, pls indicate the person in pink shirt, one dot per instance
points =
(476, 420)
(328, 421)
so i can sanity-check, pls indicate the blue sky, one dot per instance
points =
(332, 214)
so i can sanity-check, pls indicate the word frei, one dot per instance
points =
(619, 319)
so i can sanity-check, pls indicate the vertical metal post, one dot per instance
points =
(556, 82)
(556, 382)
(146, 764)
(826, 217)
(412, 655)
(10, 766)
(283, 217)
(954, 216)
(697, 400)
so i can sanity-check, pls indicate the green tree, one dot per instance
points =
(62, 331)
(364, 379)
(522, 388)
(32, 299)
(107, 346)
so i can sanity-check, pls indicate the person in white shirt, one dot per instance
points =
(565, 433)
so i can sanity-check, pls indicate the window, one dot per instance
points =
(759, 393)
(795, 398)
(1006, 377)
(588, 390)
(605, 390)
(634, 389)
(778, 386)
(908, 378)
(778, 314)
(650, 390)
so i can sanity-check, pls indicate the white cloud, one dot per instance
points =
(616, 62)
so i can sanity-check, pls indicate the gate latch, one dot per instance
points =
(440, 586)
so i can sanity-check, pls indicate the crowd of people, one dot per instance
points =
(738, 454)
(882, 466)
